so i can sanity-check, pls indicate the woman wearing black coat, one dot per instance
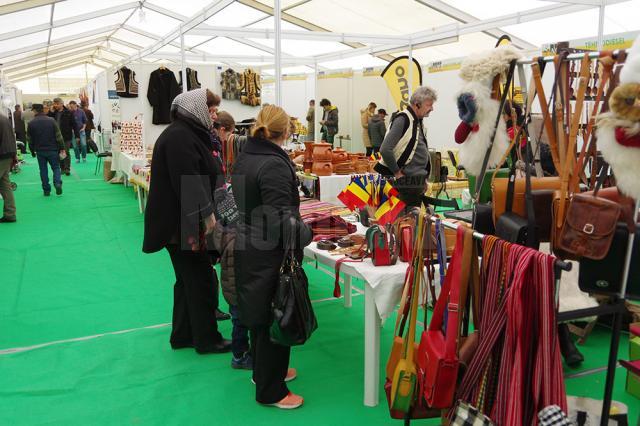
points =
(179, 216)
(265, 189)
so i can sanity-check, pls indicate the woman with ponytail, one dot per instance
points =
(266, 192)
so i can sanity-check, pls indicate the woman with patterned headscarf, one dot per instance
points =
(180, 215)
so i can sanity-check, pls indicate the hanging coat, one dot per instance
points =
(163, 88)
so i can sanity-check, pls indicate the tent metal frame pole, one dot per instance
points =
(601, 25)
(183, 63)
(316, 118)
(277, 21)
(410, 74)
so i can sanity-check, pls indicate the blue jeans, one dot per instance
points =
(49, 158)
(83, 145)
(239, 334)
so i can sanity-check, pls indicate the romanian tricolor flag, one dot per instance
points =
(375, 156)
(390, 205)
(357, 194)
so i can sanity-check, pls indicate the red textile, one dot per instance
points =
(624, 140)
(463, 130)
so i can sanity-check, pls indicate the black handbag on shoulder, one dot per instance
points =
(293, 318)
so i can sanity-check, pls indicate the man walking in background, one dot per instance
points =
(79, 145)
(46, 141)
(67, 125)
(377, 129)
(7, 157)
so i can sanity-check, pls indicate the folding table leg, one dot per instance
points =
(371, 349)
(347, 291)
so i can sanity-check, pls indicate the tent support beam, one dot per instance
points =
(277, 16)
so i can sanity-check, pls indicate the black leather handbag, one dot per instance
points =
(605, 276)
(511, 226)
(293, 318)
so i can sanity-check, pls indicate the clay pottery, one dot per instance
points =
(322, 152)
(308, 152)
(322, 168)
(340, 156)
(362, 166)
(343, 168)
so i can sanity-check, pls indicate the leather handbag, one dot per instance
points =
(293, 318)
(589, 226)
(404, 229)
(382, 246)
(437, 354)
(404, 377)
(605, 276)
(544, 185)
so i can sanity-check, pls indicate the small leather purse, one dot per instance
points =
(382, 246)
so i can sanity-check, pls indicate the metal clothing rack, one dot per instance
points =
(617, 309)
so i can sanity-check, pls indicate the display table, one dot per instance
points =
(382, 293)
(328, 187)
(124, 163)
(140, 179)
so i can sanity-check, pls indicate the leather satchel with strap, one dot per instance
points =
(590, 224)
(382, 246)
(438, 352)
(404, 230)
(561, 197)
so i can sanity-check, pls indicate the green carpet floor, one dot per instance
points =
(72, 267)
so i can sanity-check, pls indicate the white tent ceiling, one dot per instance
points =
(39, 37)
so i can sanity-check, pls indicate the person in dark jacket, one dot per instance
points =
(377, 130)
(68, 128)
(20, 128)
(7, 157)
(266, 192)
(329, 121)
(91, 145)
(180, 215)
(46, 141)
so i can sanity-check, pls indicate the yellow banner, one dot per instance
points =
(440, 67)
(335, 74)
(371, 72)
(610, 42)
(396, 75)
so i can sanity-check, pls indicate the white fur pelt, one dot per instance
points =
(473, 150)
(482, 67)
(630, 73)
(624, 160)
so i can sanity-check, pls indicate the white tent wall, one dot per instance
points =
(295, 96)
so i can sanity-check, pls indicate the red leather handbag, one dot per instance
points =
(404, 230)
(382, 246)
(437, 354)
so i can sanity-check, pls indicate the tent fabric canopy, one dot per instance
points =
(39, 37)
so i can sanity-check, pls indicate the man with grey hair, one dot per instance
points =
(404, 150)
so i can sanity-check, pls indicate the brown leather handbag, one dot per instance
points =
(499, 190)
(589, 226)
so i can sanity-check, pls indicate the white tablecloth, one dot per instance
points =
(385, 281)
(330, 186)
(122, 162)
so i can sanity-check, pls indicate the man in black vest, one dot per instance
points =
(405, 153)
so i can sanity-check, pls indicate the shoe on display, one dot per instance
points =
(245, 362)
(58, 190)
(7, 220)
(289, 402)
(222, 316)
(221, 347)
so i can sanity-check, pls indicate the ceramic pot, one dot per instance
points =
(322, 168)
(362, 166)
(308, 152)
(340, 156)
(322, 152)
